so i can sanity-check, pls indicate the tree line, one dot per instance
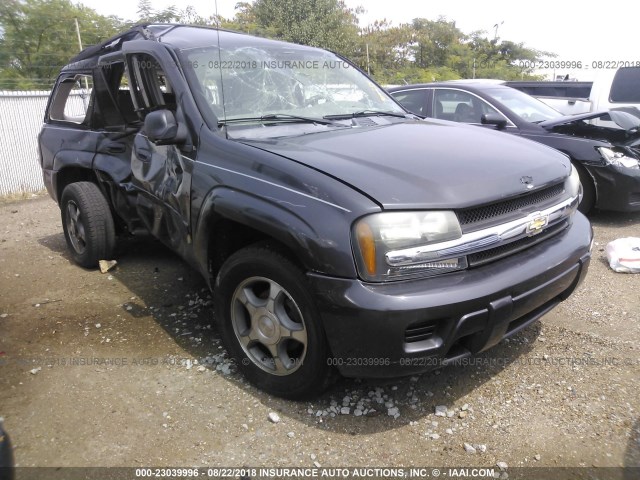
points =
(38, 37)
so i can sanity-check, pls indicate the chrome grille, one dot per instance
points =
(478, 217)
(486, 256)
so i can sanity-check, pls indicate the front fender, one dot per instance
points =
(317, 234)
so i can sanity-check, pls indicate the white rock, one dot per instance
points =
(450, 413)
(502, 465)
(35, 370)
(357, 412)
(317, 464)
(469, 448)
(98, 325)
(106, 265)
(537, 457)
(481, 448)
(393, 412)
(201, 368)
(465, 407)
(4, 315)
(291, 434)
(434, 436)
(313, 456)
(449, 431)
(345, 411)
(274, 417)
(414, 379)
(441, 410)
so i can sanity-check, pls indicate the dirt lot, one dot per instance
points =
(100, 370)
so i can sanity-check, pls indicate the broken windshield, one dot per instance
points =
(279, 79)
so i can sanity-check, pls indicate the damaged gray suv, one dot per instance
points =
(337, 231)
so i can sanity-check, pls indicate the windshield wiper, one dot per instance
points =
(366, 113)
(285, 117)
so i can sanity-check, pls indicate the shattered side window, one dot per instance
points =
(114, 107)
(72, 99)
(150, 85)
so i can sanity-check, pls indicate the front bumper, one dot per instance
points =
(617, 188)
(403, 328)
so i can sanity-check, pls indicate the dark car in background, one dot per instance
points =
(606, 155)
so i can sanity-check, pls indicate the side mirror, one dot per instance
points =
(494, 119)
(162, 128)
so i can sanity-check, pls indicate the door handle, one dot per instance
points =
(143, 154)
(113, 147)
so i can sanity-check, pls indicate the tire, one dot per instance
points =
(269, 324)
(87, 223)
(588, 191)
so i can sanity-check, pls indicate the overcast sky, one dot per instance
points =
(573, 30)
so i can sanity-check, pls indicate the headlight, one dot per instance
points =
(574, 186)
(618, 158)
(386, 245)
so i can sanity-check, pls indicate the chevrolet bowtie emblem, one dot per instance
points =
(537, 224)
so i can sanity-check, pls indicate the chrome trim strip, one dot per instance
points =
(482, 239)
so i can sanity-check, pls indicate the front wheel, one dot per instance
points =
(588, 191)
(269, 324)
(87, 223)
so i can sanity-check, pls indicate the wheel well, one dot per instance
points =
(590, 189)
(230, 236)
(70, 175)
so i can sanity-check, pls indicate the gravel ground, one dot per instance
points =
(126, 369)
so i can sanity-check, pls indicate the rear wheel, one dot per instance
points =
(269, 324)
(87, 223)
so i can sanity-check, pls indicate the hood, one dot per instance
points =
(425, 164)
(627, 118)
(618, 126)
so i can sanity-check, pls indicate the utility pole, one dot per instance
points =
(86, 84)
(368, 71)
(78, 33)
